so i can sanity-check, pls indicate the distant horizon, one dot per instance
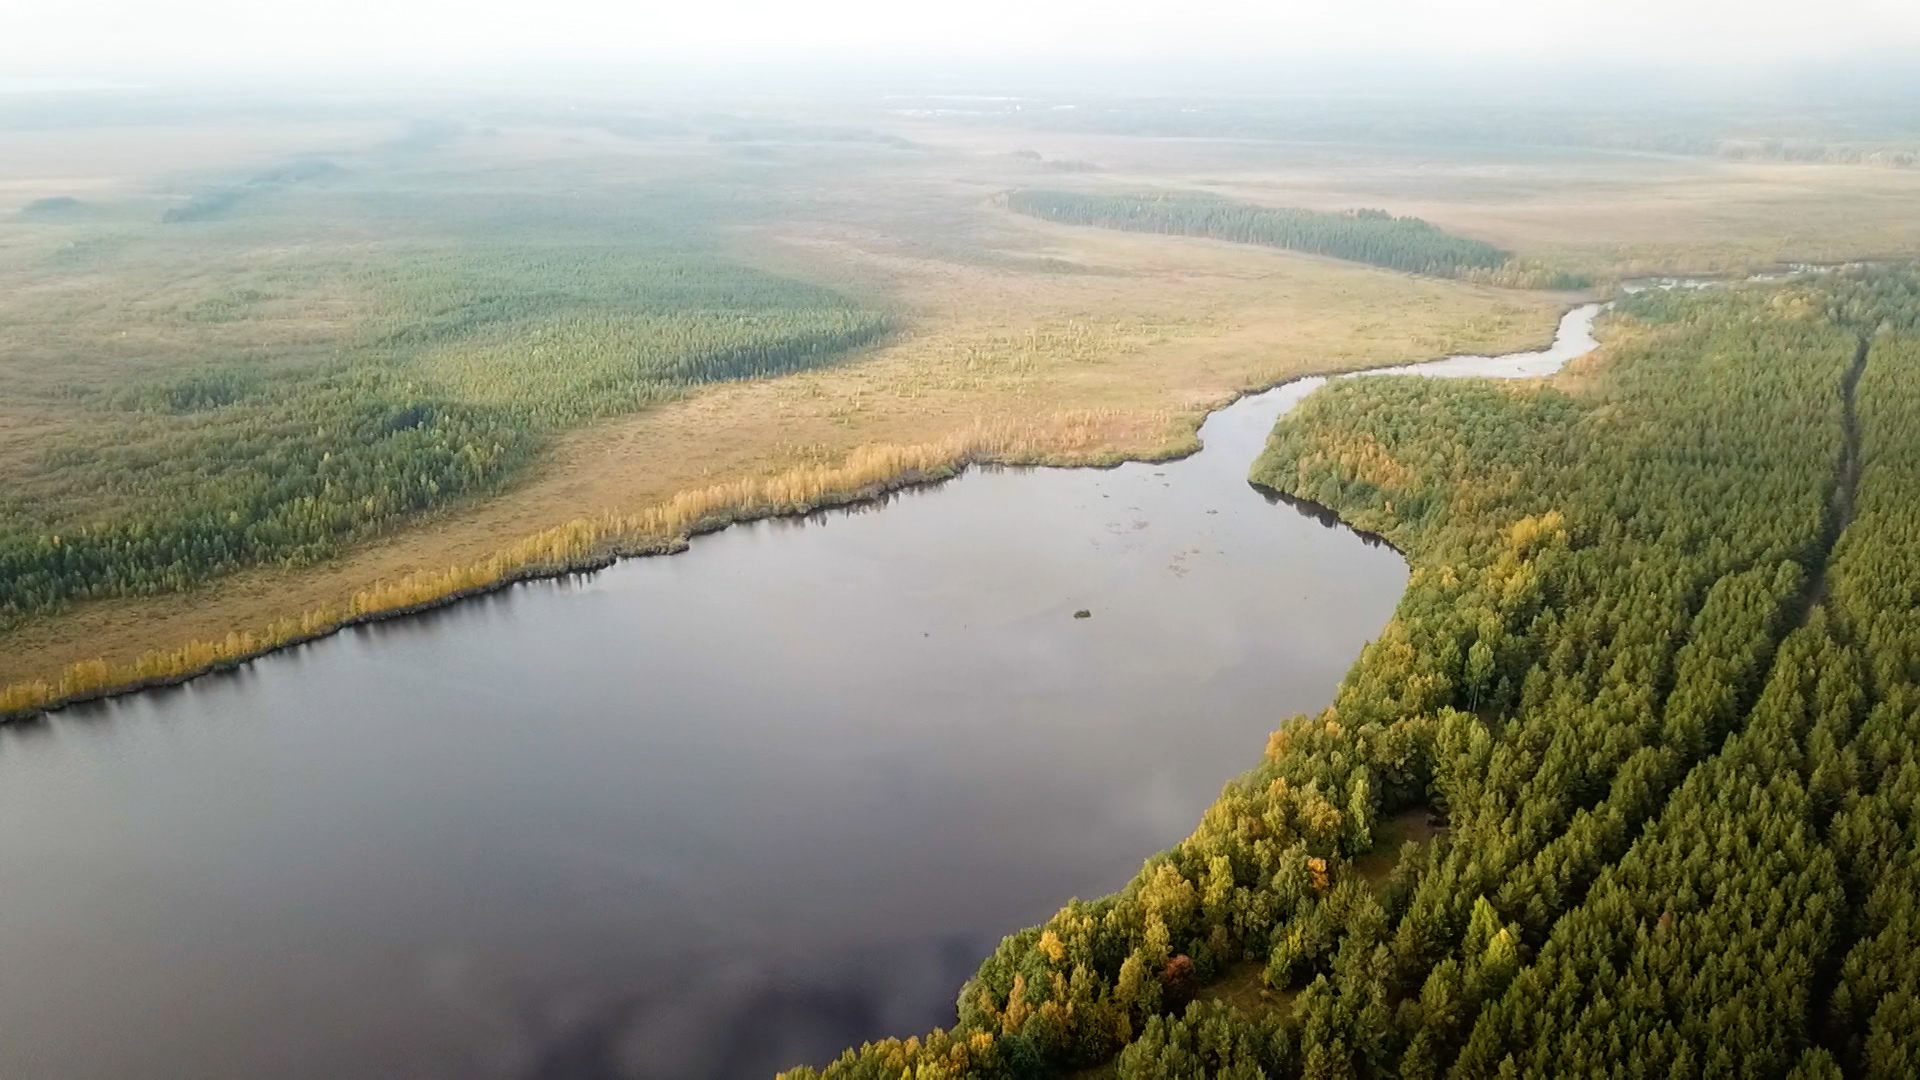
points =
(1209, 43)
(1873, 76)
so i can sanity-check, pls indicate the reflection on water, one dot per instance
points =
(695, 816)
(1313, 510)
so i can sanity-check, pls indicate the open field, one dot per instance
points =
(1601, 212)
(924, 322)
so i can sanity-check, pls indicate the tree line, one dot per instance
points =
(1369, 236)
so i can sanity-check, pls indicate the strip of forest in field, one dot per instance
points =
(1368, 236)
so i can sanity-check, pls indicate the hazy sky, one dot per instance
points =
(99, 38)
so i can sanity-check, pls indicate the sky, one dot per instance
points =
(149, 38)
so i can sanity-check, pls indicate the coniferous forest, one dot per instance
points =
(470, 369)
(1369, 236)
(1651, 703)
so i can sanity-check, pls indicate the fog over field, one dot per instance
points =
(1262, 45)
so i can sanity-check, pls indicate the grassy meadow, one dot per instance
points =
(263, 374)
(290, 393)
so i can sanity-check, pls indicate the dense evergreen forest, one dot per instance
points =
(1369, 236)
(464, 366)
(1656, 676)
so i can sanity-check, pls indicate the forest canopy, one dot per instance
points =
(457, 377)
(1656, 680)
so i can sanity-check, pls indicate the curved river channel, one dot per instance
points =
(697, 816)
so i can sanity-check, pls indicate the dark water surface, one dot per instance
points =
(696, 816)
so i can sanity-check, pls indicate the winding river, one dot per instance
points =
(696, 816)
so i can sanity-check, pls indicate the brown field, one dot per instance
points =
(1071, 345)
(1606, 212)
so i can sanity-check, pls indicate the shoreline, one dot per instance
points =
(593, 546)
(1325, 515)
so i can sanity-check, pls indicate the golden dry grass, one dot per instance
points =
(1663, 215)
(1609, 212)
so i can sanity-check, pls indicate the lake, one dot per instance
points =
(700, 815)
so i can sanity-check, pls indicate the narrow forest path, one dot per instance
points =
(1813, 596)
(1847, 931)
(1793, 615)
(1846, 480)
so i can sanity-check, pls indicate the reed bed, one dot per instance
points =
(1066, 438)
